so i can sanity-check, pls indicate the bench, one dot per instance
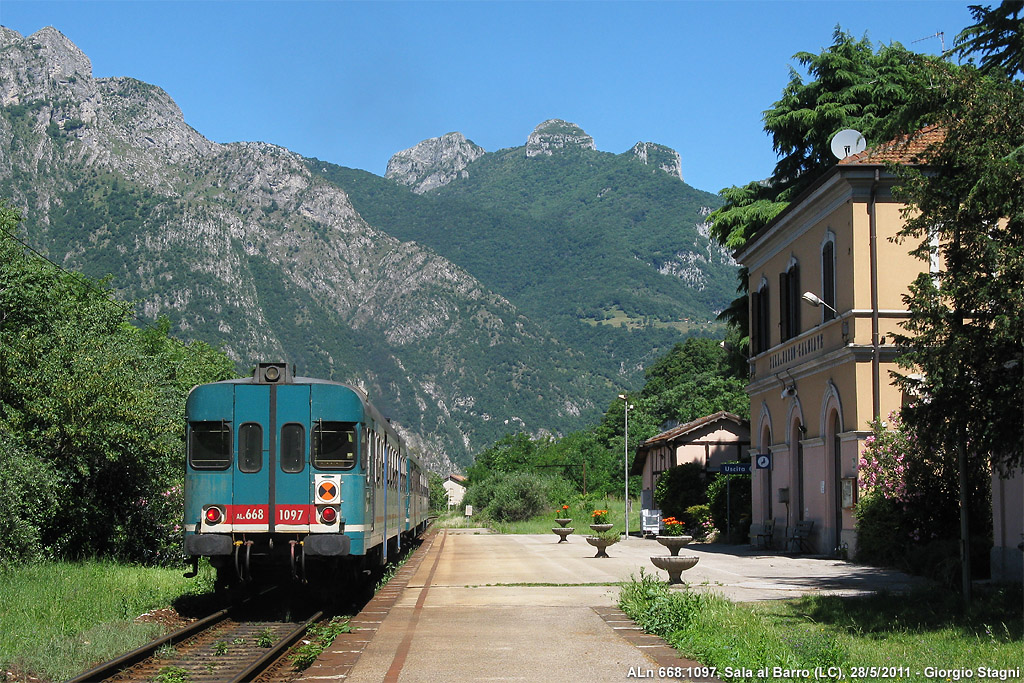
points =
(799, 540)
(763, 538)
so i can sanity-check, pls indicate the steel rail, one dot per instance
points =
(274, 653)
(107, 669)
(128, 659)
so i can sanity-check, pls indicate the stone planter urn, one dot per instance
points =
(601, 528)
(674, 543)
(563, 533)
(674, 565)
(601, 543)
(562, 522)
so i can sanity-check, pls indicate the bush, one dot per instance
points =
(24, 502)
(517, 496)
(720, 495)
(696, 517)
(881, 536)
(681, 487)
(438, 494)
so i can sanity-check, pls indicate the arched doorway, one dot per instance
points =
(833, 463)
(764, 446)
(796, 451)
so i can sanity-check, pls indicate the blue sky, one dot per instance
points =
(355, 82)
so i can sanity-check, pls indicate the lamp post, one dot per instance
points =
(625, 460)
(814, 300)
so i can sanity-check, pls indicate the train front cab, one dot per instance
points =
(252, 494)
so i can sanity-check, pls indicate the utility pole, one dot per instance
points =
(625, 460)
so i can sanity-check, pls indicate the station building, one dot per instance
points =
(709, 441)
(820, 373)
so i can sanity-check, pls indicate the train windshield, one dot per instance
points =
(334, 445)
(210, 445)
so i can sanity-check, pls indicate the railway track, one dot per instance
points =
(220, 648)
(240, 643)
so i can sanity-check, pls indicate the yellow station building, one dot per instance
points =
(819, 372)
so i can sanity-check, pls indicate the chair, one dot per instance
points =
(799, 540)
(763, 538)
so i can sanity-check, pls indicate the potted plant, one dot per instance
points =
(599, 521)
(602, 540)
(673, 538)
(563, 516)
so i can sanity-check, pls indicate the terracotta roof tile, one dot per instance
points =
(691, 426)
(906, 149)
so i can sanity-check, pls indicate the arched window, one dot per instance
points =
(828, 276)
(789, 301)
(759, 319)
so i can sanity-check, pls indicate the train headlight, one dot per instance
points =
(213, 515)
(328, 515)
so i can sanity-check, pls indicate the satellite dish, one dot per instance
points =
(848, 142)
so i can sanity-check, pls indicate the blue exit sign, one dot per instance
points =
(735, 468)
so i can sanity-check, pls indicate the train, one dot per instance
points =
(295, 474)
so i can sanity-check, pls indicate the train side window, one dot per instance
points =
(293, 447)
(209, 445)
(334, 445)
(250, 447)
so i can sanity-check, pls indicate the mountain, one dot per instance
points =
(582, 241)
(241, 245)
(469, 293)
(433, 163)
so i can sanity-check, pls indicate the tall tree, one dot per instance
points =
(852, 85)
(94, 405)
(966, 211)
(964, 347)
(998, 36)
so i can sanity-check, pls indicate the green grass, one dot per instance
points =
(917, 631)
(543, 523)
(59, 618)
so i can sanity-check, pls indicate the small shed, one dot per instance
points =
(710, 440)
(455, 487)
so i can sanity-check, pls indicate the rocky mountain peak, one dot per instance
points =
(434, 162)
(39, 64)
(556, 134)
(665, 158)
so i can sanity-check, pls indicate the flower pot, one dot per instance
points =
(674, 565)
(601, 544)
(563, 533)
(562, 522)
(674, 543)
(601, 528)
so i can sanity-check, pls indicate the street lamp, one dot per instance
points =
(625, 460)
(812, 299)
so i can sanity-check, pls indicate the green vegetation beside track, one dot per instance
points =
(905, 635)
(58, 618)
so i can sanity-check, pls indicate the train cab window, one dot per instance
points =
(250, 447)
(334, 445)
(209, 445)
(293, 447)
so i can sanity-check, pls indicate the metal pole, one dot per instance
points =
(625, 460)
(876, 400)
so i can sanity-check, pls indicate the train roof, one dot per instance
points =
(284, 374)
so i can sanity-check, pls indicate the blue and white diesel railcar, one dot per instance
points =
(286, 471)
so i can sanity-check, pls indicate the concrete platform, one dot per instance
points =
(484, 607)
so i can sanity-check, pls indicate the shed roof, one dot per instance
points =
(681, 434)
